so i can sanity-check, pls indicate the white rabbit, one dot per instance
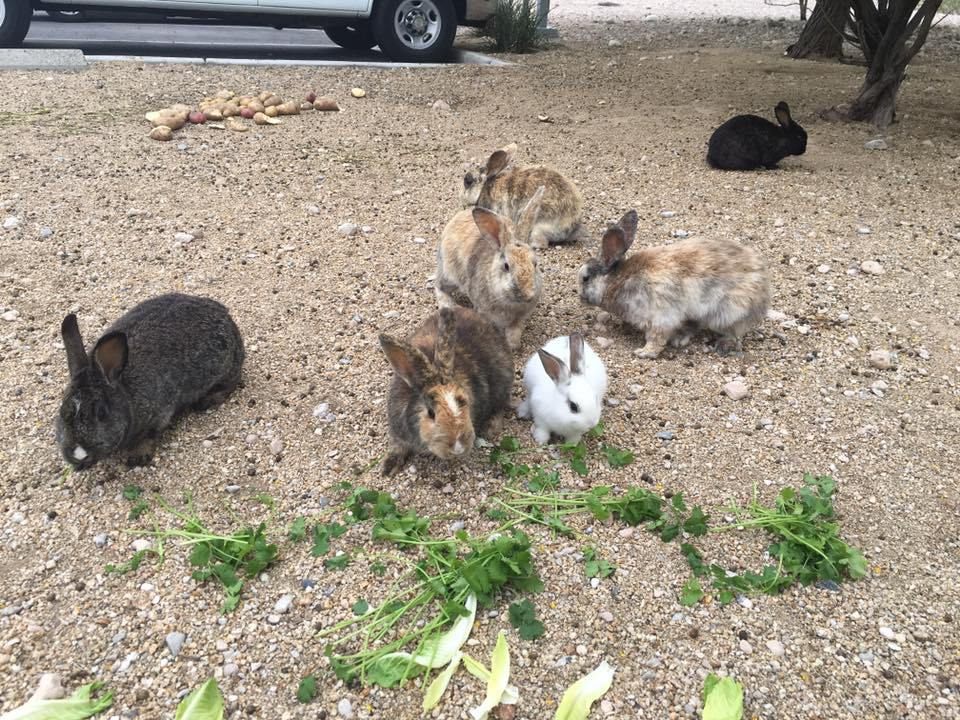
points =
(565, 382)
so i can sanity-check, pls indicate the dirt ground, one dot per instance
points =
(629, 124)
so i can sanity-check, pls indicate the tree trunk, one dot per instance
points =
(822, 35)
(885, 36)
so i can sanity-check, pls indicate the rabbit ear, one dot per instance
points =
(73, 343)
(491, 227)
(782, 111)
(445, 349)
(554, 367)
(500, 160)
(408, 362)
(576, 353)
(528, 216)
(614, 246)
(110, 354)
(629, 224)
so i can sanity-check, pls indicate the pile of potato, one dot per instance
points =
(227, 111)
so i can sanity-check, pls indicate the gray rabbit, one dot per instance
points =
(165, 355)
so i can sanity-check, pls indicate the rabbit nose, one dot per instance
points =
(461, 445)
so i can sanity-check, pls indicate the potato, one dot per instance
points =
(225, 94)
(358, 92)
(256, 106)
(271, 111)
(213, 114)
(264, 119)
(264, 95)
(272, 100)
(236, 124)
(230, 110)
(288, 108)
(325, 104)
(197, 118)
(247, 113)
(311, 97)
(161, 132)
(306, 106)
(181, 108)
(170, 120)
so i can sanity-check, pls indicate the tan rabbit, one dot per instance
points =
(670, 292)
(505, 189)
(482, 256)
(451, 379)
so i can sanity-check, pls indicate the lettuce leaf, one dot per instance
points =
(580, 696)
(204, 703)
(78, 706)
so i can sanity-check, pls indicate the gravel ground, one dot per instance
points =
(97, 208)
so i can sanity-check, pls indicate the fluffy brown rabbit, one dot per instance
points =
(451, 378)
(670, 292)
(481, 255)
(506, 189)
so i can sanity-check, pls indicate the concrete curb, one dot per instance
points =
(463, 57)
(30, 59)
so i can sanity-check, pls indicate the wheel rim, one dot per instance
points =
(416, 23)
(3, 11)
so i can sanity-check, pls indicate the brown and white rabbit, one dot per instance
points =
(451, 378)
(506, 189)
(670, 292)
(481, 255)
(165, 355)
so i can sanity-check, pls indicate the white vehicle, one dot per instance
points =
(405, 30)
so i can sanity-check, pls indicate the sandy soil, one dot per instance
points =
(629, 125)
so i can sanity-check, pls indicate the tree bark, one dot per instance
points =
(822, 35)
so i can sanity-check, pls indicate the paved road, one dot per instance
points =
(189, 40)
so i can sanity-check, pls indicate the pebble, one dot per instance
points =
(776, 647)
(345, 709)
(746, 647)
(582, 650)
(273, 619)
(882, 359)
(736, 390)
(17, 517)
(11, 222)
(606, 616)
(276, 446)
(283, 604)
(313, 209)
(871, 267)
(680, 234)
(667, 214)
(448, 489)
(594, 583)
(614, 43)
(232, 489)
(828, 585)
(420, 241)
(100, 540)
(626, 532)
(665, 435)
(348, 229)
(127, 662)
(10, 315)
(823, 268)
(230, 669)
(441, 106)
(183, 237)
(46, 232)
(876, 144)
(863, 230)
(606, 707)
(888, 633)
(634, 391)
(307, 583)
(602, 342)
(175, 642)
(744, 602)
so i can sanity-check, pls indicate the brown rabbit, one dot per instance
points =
(669, 292)
(451, 378)
(481, 256)
(505, 189)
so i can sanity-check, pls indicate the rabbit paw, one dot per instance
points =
(142, 454)
(541, 435)
(394, 461)
(523, 410)
(728, 346)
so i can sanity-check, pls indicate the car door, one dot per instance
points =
(333, 8)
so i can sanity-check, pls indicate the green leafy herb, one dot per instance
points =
(337, 562)
(322, 534)
(360, 607)
(378, 568)
(298, 530)
(692, 593)
(523, 617)
(616, 457)
(132, 492)
(307, 689)
(596, 567)
(138, 509)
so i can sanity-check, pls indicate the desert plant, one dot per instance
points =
(515, 26)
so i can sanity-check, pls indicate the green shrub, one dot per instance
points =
(514, 26)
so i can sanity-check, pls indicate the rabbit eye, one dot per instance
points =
(461, 402)
(506, 266)
(574, 408)
(431, 414)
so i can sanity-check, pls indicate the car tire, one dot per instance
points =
(358, 36)
(415, 30)
(14, 21)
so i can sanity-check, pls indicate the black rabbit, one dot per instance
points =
(747, 142)
(165, 355)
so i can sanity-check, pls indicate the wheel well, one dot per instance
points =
(461, 7)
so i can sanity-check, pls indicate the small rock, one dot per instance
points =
(367, 229)
(882, 359)
(614, 43)
(283, 604)
(746, 647)
(823, 269)
(448, 489)
(128, 661)
(100, 540)
(680, 234)
(358, 92)
(887, 633)
(441, 106)
(866, 658)
(307, 583)
(230, 669)
(321, 410)
(420, 241)
(232, 489)
(776, 315)
(46, 232)
(273, 619)
(345, 709)
(736, 390)
(744, 602)
(11, 222)
(582, 650)
(606, 707)
(183, 238)
(348, 229)
(871, 267)
(667, 214)
(776, 647)
(141, 545)
(876, 144)
(633, 391)
(863, 230)
(665, 435)
(828, 585)
(276, 446)
(626, 532)
(175, 642)
(606, 616)
(313, 209)
(778, 222)
(10, 315)
(18, 518)
(602, 342)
